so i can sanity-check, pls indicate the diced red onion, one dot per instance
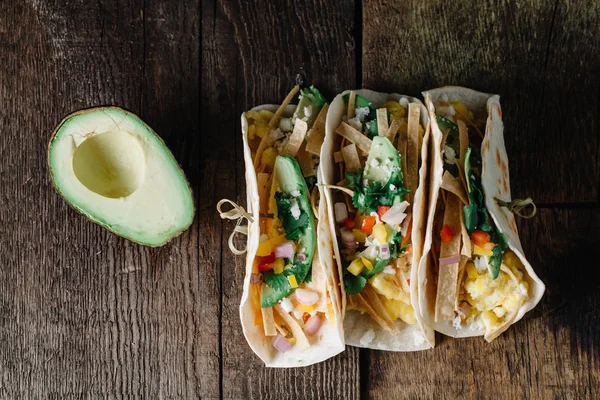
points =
(449, 260)
(395, 215)
(281, 343)
(307, 297)
(347, 235)
(255, 279)
(464, 309)
(341, 212)
(350, 244)
(301, 257)
(287, 305)
(405, 223)
(285, 250)
(385, 251)
(312, 325)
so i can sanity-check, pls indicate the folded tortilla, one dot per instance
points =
(329, 339)
(361, 329)
(496, 184)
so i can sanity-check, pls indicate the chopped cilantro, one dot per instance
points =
(311, 181)
(370, 120)
(354, 284)
(294, 227)
(368, 198)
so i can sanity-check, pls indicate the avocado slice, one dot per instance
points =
(291, 196)
(114, 169)
(383, 162)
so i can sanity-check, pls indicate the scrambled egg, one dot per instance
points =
(495, 299)
(396, 301)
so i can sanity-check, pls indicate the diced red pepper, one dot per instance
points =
(446, 234)
(349, 223)
(382, 210)
(480, 238)
(305, 317)
(267, 259)
(264, 267)
(368, 224)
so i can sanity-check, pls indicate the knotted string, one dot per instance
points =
(236, 213)
(516, 206)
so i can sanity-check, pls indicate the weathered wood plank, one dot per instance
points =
(254, 55)
(551, 353)
(84, 313)
(521, 50)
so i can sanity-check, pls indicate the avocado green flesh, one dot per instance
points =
(110, 166)
(287, 177)
(383, 161)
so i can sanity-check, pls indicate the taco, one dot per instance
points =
(291, 303)
(473, 278)
(374, 163)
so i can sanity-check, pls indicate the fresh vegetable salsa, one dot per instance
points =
(479, 280)
(288, 282)
(378, 162)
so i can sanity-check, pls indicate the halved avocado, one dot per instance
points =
(114, 169)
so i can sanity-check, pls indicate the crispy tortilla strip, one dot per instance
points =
(382, 121)
(308, 162)
(391, 133)
(351, 105)
(360, 303)
(360, 140)
(412, 150)
(272, 124)
(317, 133)
(453, 185)
(463, 136)
(466, 249)
(351, 158)
(301, 339)
(338, 157)
(268, 321)
(377, 305)
(402, 145)
(459, 281)
(262, 180)
(448, 274)
(297, 138)
(403, 281)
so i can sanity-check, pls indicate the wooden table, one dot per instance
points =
(86, 314)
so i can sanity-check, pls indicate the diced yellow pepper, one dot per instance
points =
(273, 225)
(480, 251)
(292, 340)
(380, 233)
(356, 266)
(511, 260)
(278, 266)
(306, 308)
(265, 248)
(292, 281)
(266, 115)
(367, 263)
(472, 271)
(395, 109)
(359, 235)
(277, 240)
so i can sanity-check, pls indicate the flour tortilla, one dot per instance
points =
(360, 329)
(496, 183)
(329, 340)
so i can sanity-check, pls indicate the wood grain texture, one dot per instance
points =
(550, 353)
(542, 57)
(253, 52)
(83, 312)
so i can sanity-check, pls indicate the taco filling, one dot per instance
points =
(480, 282)
(378, 160)
(288, 283)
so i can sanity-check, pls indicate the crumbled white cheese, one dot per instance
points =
(404, 102)
(308, 111)
(276, 134)
(481, 263)
(368, 124)
(361, 113)
(446, 111)
(287, 305)
(389, 270)
(449, 155)
(523, 290)
(295, 210)
(355, 123)
(392, 187)
(295, 193)
(367, 338)
(374, 162)
(456, 322)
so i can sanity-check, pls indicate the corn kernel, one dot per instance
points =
(292, 281)
(306, 308)
(359, 235)
(367, 263)
(278, 266)
(265, 248)
(472, 271)
(380, 233)
(480, 251)
(277, 240)
(356, 266)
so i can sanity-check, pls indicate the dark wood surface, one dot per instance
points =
(85, 314)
